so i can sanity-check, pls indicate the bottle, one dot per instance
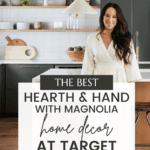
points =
(45, 3)
(71, 22)
(76, 22)
(68, 22)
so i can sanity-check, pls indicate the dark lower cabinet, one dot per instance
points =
(144, 66)
(23, 73)
(15, 73)
(0, 103)
(2, 91)
(19, 73)
(67, 66)
(11, 101)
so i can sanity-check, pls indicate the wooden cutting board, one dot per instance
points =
(15, 42)
(19, 52)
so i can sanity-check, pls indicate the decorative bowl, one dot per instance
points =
(76, 55)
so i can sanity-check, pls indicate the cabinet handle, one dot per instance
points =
(30, 67)
(56, 67)
(137, 46)
(72, 66)
(137, 38)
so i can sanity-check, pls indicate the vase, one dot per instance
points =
(45, 3)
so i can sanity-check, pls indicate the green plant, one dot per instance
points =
(80, 48)
(76, 48)
(70, 49)
(26, 1)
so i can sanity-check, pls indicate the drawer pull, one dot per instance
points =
(29, 67)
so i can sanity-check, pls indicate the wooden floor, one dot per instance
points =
(8, 133)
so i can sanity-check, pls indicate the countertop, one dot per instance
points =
(67, 72)
(50, 61)
(41, 61)
(47, 61)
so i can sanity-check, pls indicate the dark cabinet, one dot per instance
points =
(23, 73)
(14, 75)
(11, 102)
(11, 75)
(67, 66)
(0, 103)
(2, 90)
(141, 24)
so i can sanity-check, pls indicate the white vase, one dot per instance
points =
(71, 22)
(45, 3)
(77, 23)
(68, 21)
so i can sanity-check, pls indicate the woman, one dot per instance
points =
(111, 51)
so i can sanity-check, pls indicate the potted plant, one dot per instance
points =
(76, 53)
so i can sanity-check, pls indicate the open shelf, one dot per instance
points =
(38, 7)
(50, 30)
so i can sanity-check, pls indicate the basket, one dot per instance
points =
(76, 55)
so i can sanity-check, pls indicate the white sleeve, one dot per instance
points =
(132, 69)
(88, 61)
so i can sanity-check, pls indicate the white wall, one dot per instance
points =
(49, 45)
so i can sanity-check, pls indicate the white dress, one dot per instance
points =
(101, 61)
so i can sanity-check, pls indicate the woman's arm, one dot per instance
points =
(88, 61)
(132, 70)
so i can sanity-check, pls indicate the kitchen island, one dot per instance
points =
(67, 72)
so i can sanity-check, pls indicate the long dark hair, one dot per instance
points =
(120, 35)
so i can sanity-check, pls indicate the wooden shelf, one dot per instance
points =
(38, 7)
(50, 30)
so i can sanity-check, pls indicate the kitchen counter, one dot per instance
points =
(53, 61)
(67, 72)
(41, 61)
(50, 61)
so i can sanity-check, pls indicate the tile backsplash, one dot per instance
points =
(49, 45)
